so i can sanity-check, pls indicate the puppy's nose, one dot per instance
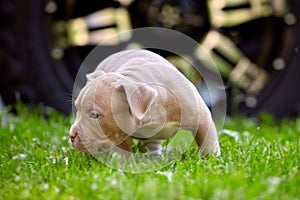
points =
(72, 135)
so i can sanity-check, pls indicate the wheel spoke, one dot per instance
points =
(183, 63)
(102, 27)
(231, 62)
(228, 13)
(125, 2)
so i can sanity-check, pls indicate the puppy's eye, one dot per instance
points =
(94, 115)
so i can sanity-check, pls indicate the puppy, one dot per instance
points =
(138, 94)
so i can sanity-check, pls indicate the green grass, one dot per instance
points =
(260, 160)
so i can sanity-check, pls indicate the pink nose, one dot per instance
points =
(72, 135)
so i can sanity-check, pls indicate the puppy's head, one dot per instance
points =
(109, 109)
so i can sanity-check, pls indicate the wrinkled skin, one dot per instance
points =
(90, 134)
(138, 94)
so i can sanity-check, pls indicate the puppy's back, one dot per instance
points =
(123, 59)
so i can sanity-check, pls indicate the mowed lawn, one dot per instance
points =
(260, 160)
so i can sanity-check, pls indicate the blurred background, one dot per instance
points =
(254, 43)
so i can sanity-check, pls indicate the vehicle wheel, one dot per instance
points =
(28, 72)
(253, 43)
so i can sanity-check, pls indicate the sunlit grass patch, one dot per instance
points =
(259, 160)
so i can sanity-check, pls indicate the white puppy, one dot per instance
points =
(139, 94)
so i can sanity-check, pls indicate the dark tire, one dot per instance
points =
(28, 73)
(31, 75)
(281, 97)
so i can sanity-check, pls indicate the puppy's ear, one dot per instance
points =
(94, 75)
(139, 97)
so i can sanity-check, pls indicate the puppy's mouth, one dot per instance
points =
(97, 144)
(92, 146)
(80, 145)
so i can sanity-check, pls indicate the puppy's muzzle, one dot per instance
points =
(72, 135)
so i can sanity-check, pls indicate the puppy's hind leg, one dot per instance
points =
(153, 146)
(207, 136)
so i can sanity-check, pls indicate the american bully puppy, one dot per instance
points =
(139, 94)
